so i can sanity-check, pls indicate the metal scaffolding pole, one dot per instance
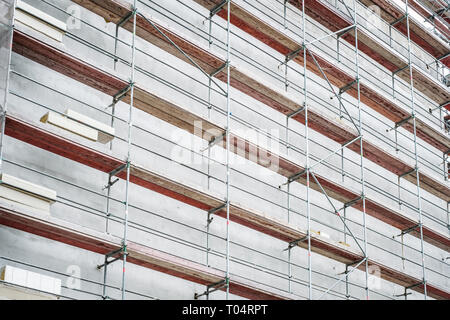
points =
(226, 66)
(419, 198)
(227, 272)
(307, 167)
(130, 127)
(363, 197)
(122, 252)
(6, 34)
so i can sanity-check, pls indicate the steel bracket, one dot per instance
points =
(296, 112)
(347, 86)
(210, 288)
(296, 242)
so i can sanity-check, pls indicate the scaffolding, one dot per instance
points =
(122, 252)
(308, 169)
(310, 57)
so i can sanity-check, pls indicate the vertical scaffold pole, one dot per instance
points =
(130, 126)
(419, 198)
(227, 273)
(308, 211)
(363, 198)
(8, 37)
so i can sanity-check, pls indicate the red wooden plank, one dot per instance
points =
(68, 65)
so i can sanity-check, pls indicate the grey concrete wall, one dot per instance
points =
(175, 227)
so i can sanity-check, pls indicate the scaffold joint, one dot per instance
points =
(408, 172)
(119, 95)
(398, 20)
(217, 8)
(121, 251)
(354, 263)
(214, 210)
(296, 242)
(415, 285)
(296, 176)
(347, 86)
(400, 123)
(220, 69)
(296, 112)
(126, 18)
(352, 202)
(408, 230)
(400, 70)
(118, 170)
(293, 54)
(216, 286)
(342, 33)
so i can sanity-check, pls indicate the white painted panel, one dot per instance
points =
(24, 198)
(32, 280)
(38, 25)
(10, 292)
(47, 194)
(25, 7)
(70, 125)
(105, 134)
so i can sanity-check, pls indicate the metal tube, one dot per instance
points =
(5, 102)
(289, 271)
(308, 211)
(341, 278)
(419, 201)
(227, 274)
(331, 88)
(336, 211)
(105, 270)
(130, 126)
(343, 30)
(363, 184)
(335, 152)
(288, 202)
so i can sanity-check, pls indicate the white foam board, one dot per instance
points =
(39, 21)
(37, 190)
(16, 196)
(80, 125)
(31, 280)
(12, 292)
(73, 126)
(105, 132)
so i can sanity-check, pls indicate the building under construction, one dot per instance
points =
(224, 149)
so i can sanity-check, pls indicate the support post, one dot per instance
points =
(308, 209)
(419, 198)
(6, 39)
(227, 273)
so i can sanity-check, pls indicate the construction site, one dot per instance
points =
(224, 149)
